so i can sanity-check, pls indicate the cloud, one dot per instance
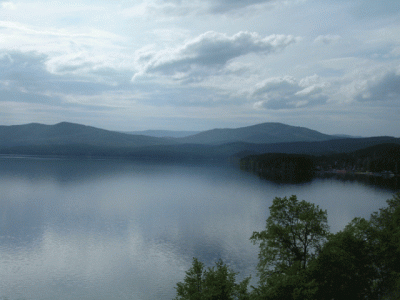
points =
(223, 6)
(327, 39)
(209, 52)
(25, 78)
(8, 5)
(371, 9)
(24, 69)
(196, 7)
(76, 52)
(383, 89)
(288, 93)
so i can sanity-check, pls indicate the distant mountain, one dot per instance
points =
(68, 139)
(164, 133)
(71, 134)
(265, 133)
(342, 136)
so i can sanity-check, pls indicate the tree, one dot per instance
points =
(384, 236)
(192, 287)
(215, 283)
(363, 260)
(294, 235)
(345, 267)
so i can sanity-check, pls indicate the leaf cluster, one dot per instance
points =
(295, 232)
(213, 283)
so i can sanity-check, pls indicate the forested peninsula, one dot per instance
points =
(382, 160)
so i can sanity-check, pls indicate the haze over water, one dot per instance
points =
(114, 229)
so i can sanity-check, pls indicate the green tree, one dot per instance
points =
(384, 236)
(294, 235)
(214, 283)
(363, 260)
(345, 267)
(192, 287)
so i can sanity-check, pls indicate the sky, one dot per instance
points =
(328, 65)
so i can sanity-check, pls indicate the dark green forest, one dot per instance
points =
(300, 259)
(382, 160)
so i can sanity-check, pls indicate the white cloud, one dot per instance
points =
(308, 91)
(9, 5)
(288, 93)
(213, 56)
(209, 52)
(312, 85)
(270, 85)
(83, 53)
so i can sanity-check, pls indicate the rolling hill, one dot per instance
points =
(71, 134)
(68, 139)
(265, 133)
(164, 133)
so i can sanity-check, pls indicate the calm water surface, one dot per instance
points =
(104, 229)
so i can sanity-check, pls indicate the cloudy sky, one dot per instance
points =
(329, 65)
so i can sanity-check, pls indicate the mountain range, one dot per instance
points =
(265, 133)
(79, 140)
(164, 133)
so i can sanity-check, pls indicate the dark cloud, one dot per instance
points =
(24, 79)
(54, 101)
(386, 89)
(209, 51)
(28, 71)
(371, 8)
(70, 68)
(223, 6)
(19, 96)
(28, 68)
(181, 7)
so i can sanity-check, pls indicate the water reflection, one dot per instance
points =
(380, 182)
(82, 229)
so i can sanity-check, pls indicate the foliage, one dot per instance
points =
(295, 233)
(300, 260)
(345, 269)
(286, 287)
(215, 283)
(384, 235)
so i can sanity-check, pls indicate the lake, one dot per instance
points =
(114, 229)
